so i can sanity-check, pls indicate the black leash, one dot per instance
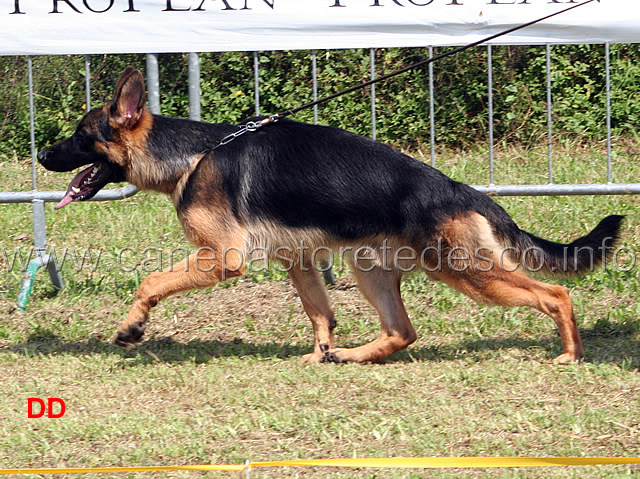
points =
(426, 62)
(254, 125)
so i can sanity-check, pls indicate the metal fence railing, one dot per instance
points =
(37, 198)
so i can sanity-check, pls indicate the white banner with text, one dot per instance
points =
(30, 27)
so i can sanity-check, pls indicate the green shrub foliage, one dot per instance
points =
(402, 103)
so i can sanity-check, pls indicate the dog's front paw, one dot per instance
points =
(129, 337)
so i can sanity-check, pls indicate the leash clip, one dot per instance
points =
(248, 126)
(254, 125)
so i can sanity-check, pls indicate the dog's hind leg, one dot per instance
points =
(200, 270)
(382, 289)
(511, 288)
(315, 301)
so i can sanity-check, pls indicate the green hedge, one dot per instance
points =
(460, 103)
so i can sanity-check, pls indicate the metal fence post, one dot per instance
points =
(256, 82)
(372, 56)
(432, 123)
(194, 86)
(490, 102)
(153, 83)
(87, 81)
(314, 74)
(549, 116)
(32, 125)
(607, 66)
(39, 224)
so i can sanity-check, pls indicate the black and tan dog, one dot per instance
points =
(293, 190)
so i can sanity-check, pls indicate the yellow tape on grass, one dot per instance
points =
(382, 463)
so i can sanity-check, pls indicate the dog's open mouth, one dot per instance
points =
(86, 184)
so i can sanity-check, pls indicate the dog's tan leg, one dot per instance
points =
(200, 270)
(515, 289)
(552, 300)
(220, 256)
(315, 301)
(382, 289)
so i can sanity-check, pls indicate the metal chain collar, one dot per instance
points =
(245, 127)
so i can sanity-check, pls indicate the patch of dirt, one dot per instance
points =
(268, 311)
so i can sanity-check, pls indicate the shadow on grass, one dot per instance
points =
(161, 349)
(605, 342)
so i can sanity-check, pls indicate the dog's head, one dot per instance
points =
(104, 139)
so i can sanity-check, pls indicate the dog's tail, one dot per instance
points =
(584, 254)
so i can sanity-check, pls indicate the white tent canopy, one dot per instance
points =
(157, 26)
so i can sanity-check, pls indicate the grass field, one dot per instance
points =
(218, 379)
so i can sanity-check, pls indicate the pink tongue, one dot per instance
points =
(76, 182)
(68, 198)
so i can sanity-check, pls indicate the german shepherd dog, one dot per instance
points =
(292, 189)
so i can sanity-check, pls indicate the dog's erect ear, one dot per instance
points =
(129, 98)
